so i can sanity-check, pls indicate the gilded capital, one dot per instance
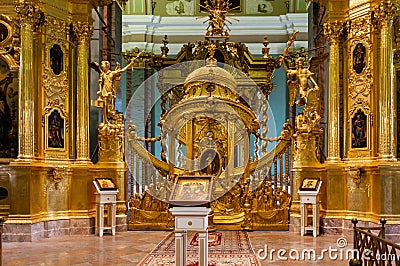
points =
(30, 15)
(385, 12)
(83, 31)
(333, 30)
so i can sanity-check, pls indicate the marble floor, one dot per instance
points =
(128, 248)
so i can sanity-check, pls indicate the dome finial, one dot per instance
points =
(211, 51)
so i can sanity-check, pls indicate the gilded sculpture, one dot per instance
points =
(108, 86)
(298, 83)
(112, 127)
(249, 197)
(217, 10)
(301, 78)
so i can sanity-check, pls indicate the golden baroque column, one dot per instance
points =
(30, 18)
(83, 32)
(333, 31)
(385, 13)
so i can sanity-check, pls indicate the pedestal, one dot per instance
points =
(111, 216)
(106, 196)
(190, 219)
(309, 197)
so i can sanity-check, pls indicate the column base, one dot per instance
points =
(387, 158)
(47, 229)
(13, 232)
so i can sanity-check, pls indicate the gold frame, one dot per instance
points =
(10, 33)
(46, 130)
(191, 190)
(105, 183)
(310, 184)
(365, 151)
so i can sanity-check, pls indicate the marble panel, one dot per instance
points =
(392, 229)
(395, 238)
(17, 229)
(332, 231)
(332, 222)
(80, 231)
(80, 223)
(58, 232)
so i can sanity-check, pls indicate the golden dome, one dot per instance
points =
(211, 73)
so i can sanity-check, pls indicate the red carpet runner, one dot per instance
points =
(225, 248)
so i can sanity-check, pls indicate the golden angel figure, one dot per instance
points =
(108, 85)
(298, 81)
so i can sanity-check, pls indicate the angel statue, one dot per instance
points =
(301, 76)
(108, 85)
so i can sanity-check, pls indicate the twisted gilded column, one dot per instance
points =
(30, 17)
(384, 15)
(333, 31)
(83, 31)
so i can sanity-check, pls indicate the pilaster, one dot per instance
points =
(333, 31)
(83, 31)
(384, 16)
(30, 17)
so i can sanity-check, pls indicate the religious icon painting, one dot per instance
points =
(310, 184)
(191, 190)
(359, 130)
(8, 112)
(4, 32)
(56, 59)
(55, 130)
(210, 162)
(359, 58)
(103, 183)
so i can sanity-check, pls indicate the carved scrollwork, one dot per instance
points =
(111, 138)
(360, 80)
(30, 15)
(360, 28)
(10, 46)
(362, 105)
(57, 179)
(334, 30)
(355, 174)
(360, 84)
(55, 76)
(55, 85)
(83, 31)
(385, 12)
(56, 30)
